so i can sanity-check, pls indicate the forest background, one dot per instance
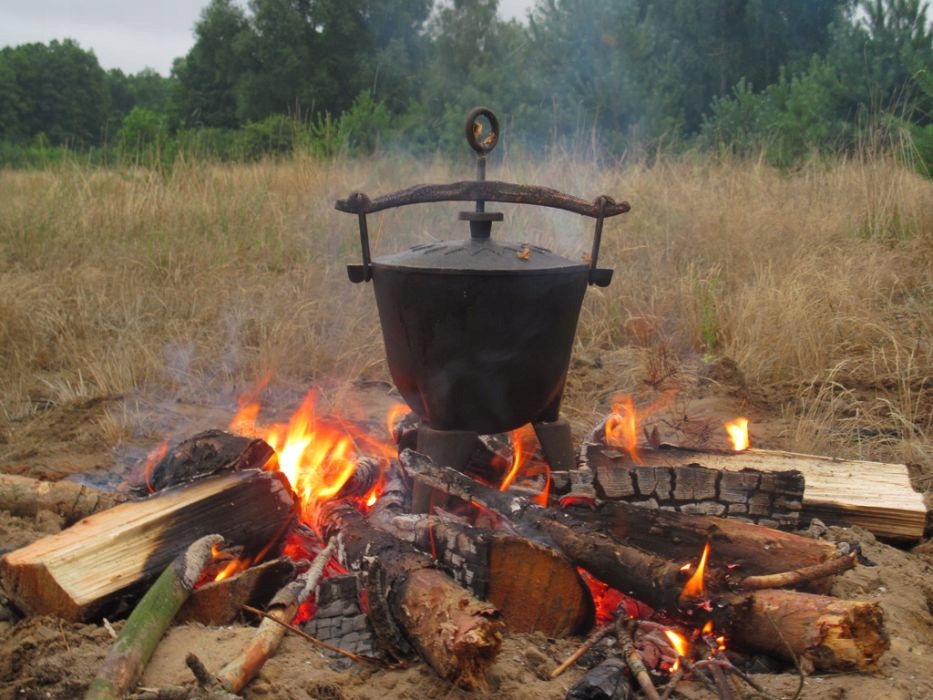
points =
(612, 79)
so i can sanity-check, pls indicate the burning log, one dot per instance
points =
(25, 497)
(750, 549)
(456, 634)
(535, 587)
(145, 626)
(660, 480)
(831, 634)
(83, 571)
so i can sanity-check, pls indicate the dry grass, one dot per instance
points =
(817, 282)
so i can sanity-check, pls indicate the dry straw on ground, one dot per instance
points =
(817, 283)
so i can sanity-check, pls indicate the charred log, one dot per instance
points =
(200, 456)
(456, 634)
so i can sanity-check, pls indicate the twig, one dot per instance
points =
(210, 687)
(723, 687)
(588, 644)
(675, 678)
(324, 645)
(284, 606)
(724, 664)
(789, 579)
(634, 660)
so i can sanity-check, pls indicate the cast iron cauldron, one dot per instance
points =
(478, 334)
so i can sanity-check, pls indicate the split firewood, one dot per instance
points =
(831, 634)
(456, 634)
(147, 623)
(643, 575)
(89, 569)
(25, 498)
(235, 675)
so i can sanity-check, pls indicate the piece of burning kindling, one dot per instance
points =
(238, 672)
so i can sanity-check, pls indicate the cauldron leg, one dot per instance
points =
(556, 443)
(447, 448)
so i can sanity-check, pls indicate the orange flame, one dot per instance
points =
(695, 588)
(738, 433)
(234, 566)
(622, 427)
(522, 451)
(317, 456)
(680, 644)
(153, 458)
(394, 415)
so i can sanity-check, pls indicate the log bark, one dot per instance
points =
(84, 571)
(456, 634)
(662, 479)
(873, 495)
(25, 498)
(607, 681)
(147, 623)
(658, 581)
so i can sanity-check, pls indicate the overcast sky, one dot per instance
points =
(126, 34)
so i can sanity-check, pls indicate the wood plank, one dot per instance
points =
(874, 495)
(81, 572)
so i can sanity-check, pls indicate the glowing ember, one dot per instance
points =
(622, 427)
(695, 588)
(738, 433)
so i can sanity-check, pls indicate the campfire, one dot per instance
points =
(511, 546)
(474, 514)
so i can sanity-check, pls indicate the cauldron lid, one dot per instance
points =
(481, 256)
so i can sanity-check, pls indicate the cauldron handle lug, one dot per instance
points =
(364, 272)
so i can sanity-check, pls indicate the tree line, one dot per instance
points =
(787, 79)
